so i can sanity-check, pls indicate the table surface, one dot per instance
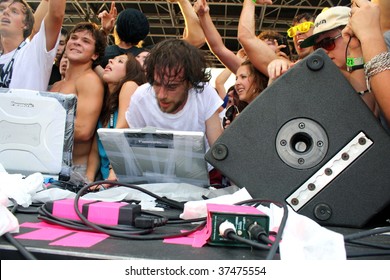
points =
(121, 248)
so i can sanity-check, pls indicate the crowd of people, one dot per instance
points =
(167, 86)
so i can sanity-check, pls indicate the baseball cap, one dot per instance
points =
(328, 19)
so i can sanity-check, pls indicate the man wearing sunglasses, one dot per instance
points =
(302, 28)
(303, 25)
(327, 35)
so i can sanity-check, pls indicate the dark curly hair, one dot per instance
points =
(177, 55)
(304, 16)
(269, 34)
(134, 73)
(100, 38)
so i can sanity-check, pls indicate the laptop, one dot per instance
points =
(150, 155)
(37, 130)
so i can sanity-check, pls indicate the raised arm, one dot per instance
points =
(365, 25)
(384, 6)
(220, 81)
(53, 22)
(107, 19)
(39, 15)
(193, 32)
(258, 52)
(214, 39)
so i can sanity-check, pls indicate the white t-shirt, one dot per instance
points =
(32, 63)
(144, 110)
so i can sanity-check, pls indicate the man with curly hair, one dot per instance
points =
(177, 95)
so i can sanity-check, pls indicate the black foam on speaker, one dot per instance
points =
(311, 141)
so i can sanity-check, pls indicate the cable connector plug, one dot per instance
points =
(149, 222)
(225, 228)
(258, 233)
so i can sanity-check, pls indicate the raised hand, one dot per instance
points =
(201, 7)
(107, 19)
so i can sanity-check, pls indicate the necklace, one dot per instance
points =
(6, 76)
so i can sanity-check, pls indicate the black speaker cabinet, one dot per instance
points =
(311, 141)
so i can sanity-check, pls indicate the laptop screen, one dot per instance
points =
(142, 156)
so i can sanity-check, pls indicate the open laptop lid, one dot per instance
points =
(149, 155)
(37, 131)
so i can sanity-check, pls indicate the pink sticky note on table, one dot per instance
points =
(45, 234)
(80, 239)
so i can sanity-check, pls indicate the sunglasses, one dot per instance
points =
(327, 43)
(230, 114)
(302, 28)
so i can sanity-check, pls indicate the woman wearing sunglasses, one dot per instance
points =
(345, 53)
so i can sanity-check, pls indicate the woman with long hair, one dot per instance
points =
(122, 76)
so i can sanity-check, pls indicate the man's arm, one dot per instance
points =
(39, 15)
(53, 22)
(213, 128)
(258, 52)
(193, 32)
(220, 81)
(214, 39)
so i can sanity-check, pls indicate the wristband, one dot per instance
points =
(354, 63)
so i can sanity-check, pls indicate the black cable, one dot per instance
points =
(123, 232)
(346, 48)
(266, 240)
(25, 253)
(45, 214)
(257, 232)
(368, 244)
(9, 237)
(369, 254)
(167, 201)
(274, 247)
(233, 236)
(366, 233)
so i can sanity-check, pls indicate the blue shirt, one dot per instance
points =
(104, 161)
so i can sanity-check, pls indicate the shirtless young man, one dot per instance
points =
(84, 47)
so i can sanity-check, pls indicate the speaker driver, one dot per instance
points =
(301, 143)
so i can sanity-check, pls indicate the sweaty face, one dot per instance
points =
(171, 92)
